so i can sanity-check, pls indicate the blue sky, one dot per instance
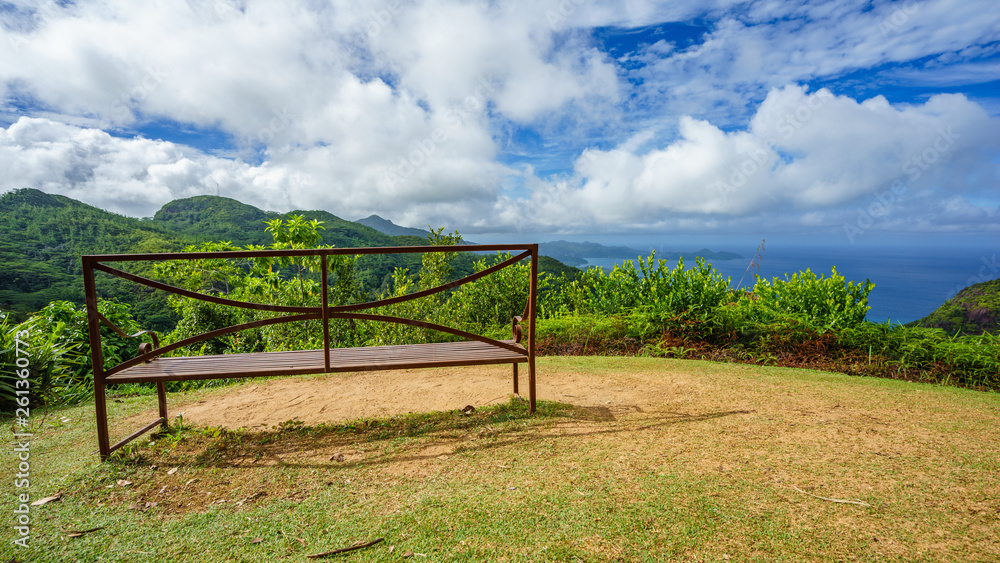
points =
(846, 121)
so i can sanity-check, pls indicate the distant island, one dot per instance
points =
(569, 253)
(577, 253)
(975, 310)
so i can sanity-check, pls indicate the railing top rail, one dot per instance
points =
(161, 256)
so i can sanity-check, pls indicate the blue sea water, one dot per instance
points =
(910, 282)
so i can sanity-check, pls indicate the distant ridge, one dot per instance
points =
(705, 253)
(42, 237)
(975, 310)
(577, 253)
(387, 227)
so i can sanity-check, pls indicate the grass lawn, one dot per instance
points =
(710, 462)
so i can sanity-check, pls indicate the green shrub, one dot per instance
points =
(931, 353)
(820, 302)
(487, 305)
(652, 286)
(57, 342)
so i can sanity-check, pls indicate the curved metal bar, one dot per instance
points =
(120, 332)
(194, 295)
(290, 309)
(433, 290)
(432, 326)
(306, 313)
(207, 335)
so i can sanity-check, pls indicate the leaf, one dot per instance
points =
(47, 500)
(78, 533)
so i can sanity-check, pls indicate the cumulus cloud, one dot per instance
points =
(747, 51)
(135, 176)
(810, 157)
(429, 111)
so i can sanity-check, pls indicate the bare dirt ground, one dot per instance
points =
(314, 400)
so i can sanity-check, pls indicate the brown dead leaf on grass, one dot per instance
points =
(47, 500)
(78, 533)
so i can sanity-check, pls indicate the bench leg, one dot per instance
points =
(515, 378)
(161, 393)
(531, 383)
(100, 404)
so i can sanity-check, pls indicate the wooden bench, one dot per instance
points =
(150, 365)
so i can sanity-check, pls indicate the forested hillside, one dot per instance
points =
(975, 310)
(42, 237)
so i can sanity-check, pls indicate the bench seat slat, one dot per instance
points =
(301, 362)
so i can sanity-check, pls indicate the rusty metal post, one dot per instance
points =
(516, 336)
(161, 395)
(96, 358)
(532, 297)
(326, 314)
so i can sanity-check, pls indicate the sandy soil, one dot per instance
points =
(338, 397)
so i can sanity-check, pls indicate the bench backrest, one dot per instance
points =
(324, 312)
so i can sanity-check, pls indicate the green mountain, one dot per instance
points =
(42, 237)
(215, 218)
(975, 310)
(386, 226)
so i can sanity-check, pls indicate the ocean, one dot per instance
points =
(910, 282)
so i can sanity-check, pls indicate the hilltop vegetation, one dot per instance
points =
(975, 310)
(386, 226)
(42, 237)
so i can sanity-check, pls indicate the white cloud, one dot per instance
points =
(129, 176)
(809, 159)
(417, 110)
(745, 54)
(136, 176)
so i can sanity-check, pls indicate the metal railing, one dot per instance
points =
(323, 312)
